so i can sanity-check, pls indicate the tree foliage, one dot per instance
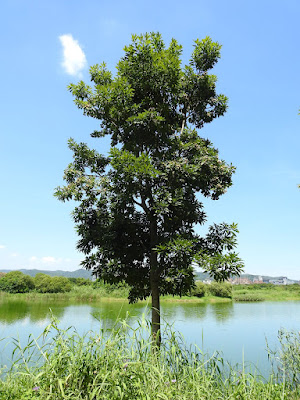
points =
(138, 205)
(220, 289)
(16, 282)
(48, 284)
(199, 289)
(81, 281)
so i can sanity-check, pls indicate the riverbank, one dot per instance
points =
(266, 292)
(121, 365)
(90, 296)
(246, 293)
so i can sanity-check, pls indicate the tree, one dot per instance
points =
(199, 290)
(220, 289)
(48, 284)
(138, 206)
(16, 282)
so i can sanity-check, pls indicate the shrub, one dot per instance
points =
(80, 281)
(261, 286)
(292, 288)
(247, 297)
(16, 282)
(60, 284)
(199, 289)
(219, 289)
(47, 284)
(42, 282)
(118, 289)
(109, 287)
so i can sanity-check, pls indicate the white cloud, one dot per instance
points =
(14, 254)
(74, 60)
(2, 246)
(49, 260)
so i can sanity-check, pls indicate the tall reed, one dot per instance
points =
(118, 364)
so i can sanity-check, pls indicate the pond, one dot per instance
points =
(238, 330)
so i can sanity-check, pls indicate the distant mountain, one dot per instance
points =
(83, 273)
(264, 277)
(201, 276)
(79, 273)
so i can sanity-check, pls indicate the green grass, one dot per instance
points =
(107, 292)
(248, 297)
(255, 292)
(120, 365)
(78, 293)
(208, 298)
(266, 292)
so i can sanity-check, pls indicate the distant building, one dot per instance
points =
(290, 282)
(282, 281)
(240, 281)
(259, 279)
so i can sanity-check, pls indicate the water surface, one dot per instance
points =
(238, 330)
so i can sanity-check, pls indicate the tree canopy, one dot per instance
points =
(138, 205)
(16, 282)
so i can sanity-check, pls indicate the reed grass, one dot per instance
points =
(78, 293)
(119, 364)
(247, 297)
(89, 294)
(266, 292)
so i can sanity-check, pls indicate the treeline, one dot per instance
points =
(17, 282)
(79, 273)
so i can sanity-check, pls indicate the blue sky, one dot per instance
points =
(259, 71)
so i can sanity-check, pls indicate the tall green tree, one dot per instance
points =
(138, 205)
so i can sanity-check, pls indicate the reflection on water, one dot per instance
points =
(108, 311)
(11, 311)
(236, 329)
(223, 311)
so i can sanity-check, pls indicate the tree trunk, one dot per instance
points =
(155, 326)
(154, 282)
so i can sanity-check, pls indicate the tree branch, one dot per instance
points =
(142, 204)
(182, 126)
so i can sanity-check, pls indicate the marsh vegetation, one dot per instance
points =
(15, 284)
(119, 364)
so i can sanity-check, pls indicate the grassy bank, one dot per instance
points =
(266, 292)
(121, 366)
(77, 293)
(256, 292)
(87, 295)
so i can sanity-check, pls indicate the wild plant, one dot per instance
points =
(120, 364)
